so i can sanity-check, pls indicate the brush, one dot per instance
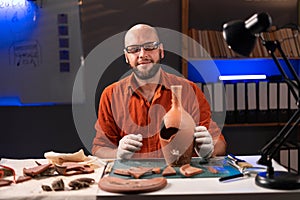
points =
(241, 163)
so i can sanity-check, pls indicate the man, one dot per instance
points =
(131, 110)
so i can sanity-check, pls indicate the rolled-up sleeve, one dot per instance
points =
(106, 129)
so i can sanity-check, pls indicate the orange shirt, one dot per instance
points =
(123, 110)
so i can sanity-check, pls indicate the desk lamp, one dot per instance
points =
(241, 37)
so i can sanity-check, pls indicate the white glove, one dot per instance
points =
(203, 142)
(128, 145)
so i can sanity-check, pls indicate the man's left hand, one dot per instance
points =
(203, 142)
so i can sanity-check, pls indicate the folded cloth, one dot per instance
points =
(79, 157)
(59, 158)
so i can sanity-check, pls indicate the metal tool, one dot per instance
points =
(244, 171)
(226, 178)
(244, 165)
(239, 175)
(240, 162)
(107, 168)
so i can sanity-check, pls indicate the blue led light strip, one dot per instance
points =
(242, 77)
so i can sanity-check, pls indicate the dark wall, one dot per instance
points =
(213, 14)
(102, 19)
(249, 139)
(30, 131)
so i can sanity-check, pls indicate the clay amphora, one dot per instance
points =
(177, 132)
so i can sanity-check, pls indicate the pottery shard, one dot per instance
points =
(137, 172)
(212, 170)
(73, 168)
(156, 170)
(188, 171)
(169, 171)
(123, 172)
(120, 185)
(4, 182)
(33, 171)
(58, 185)
(21, 179)
(80, 183)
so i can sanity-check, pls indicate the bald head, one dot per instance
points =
(140, 34)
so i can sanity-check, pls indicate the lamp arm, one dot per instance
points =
(293, 85)
(289, 65)
(271, 46)
(274, 145)
(269, 150)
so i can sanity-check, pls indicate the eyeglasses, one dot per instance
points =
(148, 46)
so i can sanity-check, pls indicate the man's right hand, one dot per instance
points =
(128, 145)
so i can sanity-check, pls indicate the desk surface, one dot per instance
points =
(207, 188)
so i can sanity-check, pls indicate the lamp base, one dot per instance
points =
(280, 180)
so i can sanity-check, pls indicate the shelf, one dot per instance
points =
(206, 70)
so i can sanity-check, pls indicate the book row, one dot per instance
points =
(250, 102)
(211, 43)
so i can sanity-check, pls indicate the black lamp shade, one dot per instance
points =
(238, 38)
(241, 35)
(258, 23)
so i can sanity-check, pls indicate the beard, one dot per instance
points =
(146, 74)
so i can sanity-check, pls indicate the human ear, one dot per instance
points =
(161, 51)
(126, 59)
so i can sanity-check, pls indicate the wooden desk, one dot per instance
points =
(183, 189)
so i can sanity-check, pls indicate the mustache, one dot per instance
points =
(145, 60)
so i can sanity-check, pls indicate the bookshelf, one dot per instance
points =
(198, 20)
(213, 42)
(213, 58)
